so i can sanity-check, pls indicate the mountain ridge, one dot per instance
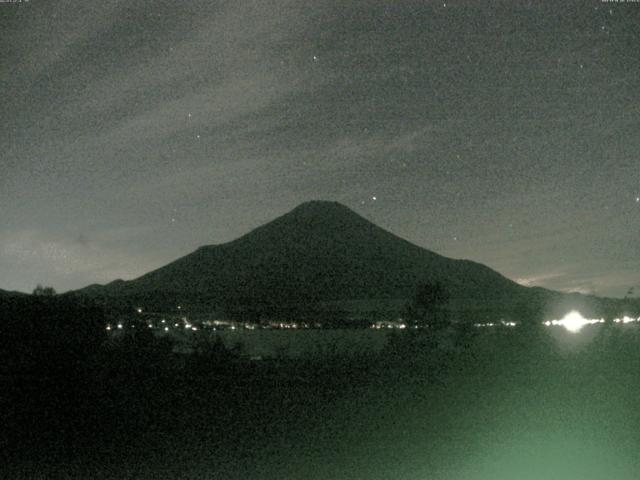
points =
(8, 294)
(322, 253)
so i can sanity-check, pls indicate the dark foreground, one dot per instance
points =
(508, 403)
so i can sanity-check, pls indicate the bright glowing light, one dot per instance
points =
(120, 326)
(139, 310)
(626, 319)
(166, 329)
(108, 327)
(573, 321)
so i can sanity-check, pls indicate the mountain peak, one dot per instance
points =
(319, 207)
(321, 214)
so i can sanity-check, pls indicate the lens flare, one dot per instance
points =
(573, 322)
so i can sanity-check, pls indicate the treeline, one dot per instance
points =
(46, 332)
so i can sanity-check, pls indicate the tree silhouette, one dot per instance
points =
(632, 302)
(41, 291)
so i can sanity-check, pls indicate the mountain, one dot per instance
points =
(322, 256)
(4, 294)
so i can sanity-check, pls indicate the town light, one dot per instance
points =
(573, 321)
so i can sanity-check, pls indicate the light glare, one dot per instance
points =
(573, 321)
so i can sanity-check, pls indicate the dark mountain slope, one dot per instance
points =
(4, 294)
(319, 253)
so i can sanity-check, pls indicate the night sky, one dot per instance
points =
(505, 132)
